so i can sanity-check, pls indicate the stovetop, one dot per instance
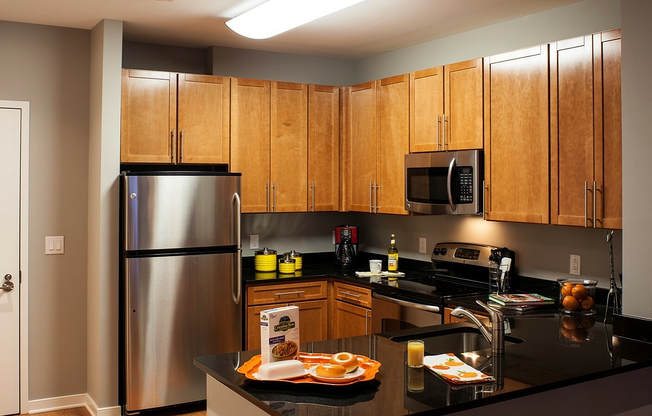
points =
(430, 287)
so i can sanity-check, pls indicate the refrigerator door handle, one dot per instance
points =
(237, 295)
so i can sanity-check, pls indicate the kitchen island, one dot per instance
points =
(542, 371)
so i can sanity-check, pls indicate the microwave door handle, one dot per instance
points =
(449, 184)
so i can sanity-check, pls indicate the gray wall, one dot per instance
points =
(637, 152)
(49, 67)
(164, 58)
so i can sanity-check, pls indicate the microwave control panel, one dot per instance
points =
(466, 184)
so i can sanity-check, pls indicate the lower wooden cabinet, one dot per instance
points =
(313, 321)
(350, 320)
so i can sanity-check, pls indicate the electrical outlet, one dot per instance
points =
(575, 264)
(254, 241)
(422, 245)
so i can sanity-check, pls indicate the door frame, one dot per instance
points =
(23, 249)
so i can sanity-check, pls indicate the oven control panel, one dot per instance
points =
(476, 254)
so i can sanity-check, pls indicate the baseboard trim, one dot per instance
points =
(68, 402)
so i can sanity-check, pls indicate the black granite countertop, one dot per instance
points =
(540, 355)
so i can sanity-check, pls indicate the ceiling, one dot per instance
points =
(365, 29)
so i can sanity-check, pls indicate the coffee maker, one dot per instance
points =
(346, 246)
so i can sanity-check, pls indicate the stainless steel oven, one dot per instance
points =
(444, 182)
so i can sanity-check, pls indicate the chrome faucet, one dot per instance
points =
(497, 335)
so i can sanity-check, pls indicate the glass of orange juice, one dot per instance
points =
(415, 353)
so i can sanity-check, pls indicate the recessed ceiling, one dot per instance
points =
(365, 29)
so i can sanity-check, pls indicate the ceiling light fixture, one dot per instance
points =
(277, 16)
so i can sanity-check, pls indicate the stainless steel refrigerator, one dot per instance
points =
(181, 285)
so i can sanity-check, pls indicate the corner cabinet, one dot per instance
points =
(351, 311)
(377, 138)
(446, 107)
(517, 172)
(586, 140)
(310, 297)
(174, 118)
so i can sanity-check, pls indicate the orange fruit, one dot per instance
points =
(566, 289)
(570, 322)
(588, 322)
(587, 303)
(567, 333)
(570, 303)
(579, 292)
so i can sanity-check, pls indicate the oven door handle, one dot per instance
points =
(407, 304)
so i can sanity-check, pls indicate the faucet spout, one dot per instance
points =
(497, 335)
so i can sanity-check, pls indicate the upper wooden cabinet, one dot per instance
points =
(150, 129)
(446, 107)
(377, 140)
(250, 144)
(585, 131)
(148, 117)
(269, 144)
(517, 177)
(323, 148)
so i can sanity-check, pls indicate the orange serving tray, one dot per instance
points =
(310, 360)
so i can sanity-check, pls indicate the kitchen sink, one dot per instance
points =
(455, 340)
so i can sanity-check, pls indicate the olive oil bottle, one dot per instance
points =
(392, 255)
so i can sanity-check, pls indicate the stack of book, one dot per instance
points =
(520, 302)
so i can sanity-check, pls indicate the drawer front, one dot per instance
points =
(287, 293)
(352, 294)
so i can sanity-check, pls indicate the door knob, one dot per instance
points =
(8, 285)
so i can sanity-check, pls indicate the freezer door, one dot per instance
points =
(177, 308)
(180, 211)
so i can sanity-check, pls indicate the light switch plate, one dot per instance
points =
(54, 245)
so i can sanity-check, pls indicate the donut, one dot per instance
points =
(346, 360)
(330, 370)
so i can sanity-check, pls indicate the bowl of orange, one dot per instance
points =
(577, 296)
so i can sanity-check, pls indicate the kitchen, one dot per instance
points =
(44, 55)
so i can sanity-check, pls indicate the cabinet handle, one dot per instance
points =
(484, 201)
(585, 204)
(376, 187)
(349, 294)
(595, 219)
(173, 147)
(274, 196)
(438, 123)
(296, 292)
(444, 118)
(181, 146)
(267, 190)
(313, 196)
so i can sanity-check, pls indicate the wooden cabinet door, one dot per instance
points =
(323, 148)
(362, 146)
(517, 180)
(250, 131)
(203, 123)
(608, 117)
(313, 322)
(393, 144)
(289, 147)
(350, 320)
(571, 132)
(427, 110)
(148, 117)
(463, 122)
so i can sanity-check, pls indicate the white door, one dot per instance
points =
(10, 134)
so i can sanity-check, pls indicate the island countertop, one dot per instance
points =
(545, 360)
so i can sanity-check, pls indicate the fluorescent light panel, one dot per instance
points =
(277, 16)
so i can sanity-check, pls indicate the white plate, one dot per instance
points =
(305, 373)
(348, 377)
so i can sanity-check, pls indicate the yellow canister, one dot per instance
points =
(286, 264)
(298, 259)
(265, 260)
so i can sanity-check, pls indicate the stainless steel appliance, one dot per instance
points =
(346, 246)
(444, 182)
(459, 269)
(181, 284)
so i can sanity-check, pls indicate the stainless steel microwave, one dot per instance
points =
(444, 182)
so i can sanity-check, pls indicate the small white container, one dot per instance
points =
(375, 266)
